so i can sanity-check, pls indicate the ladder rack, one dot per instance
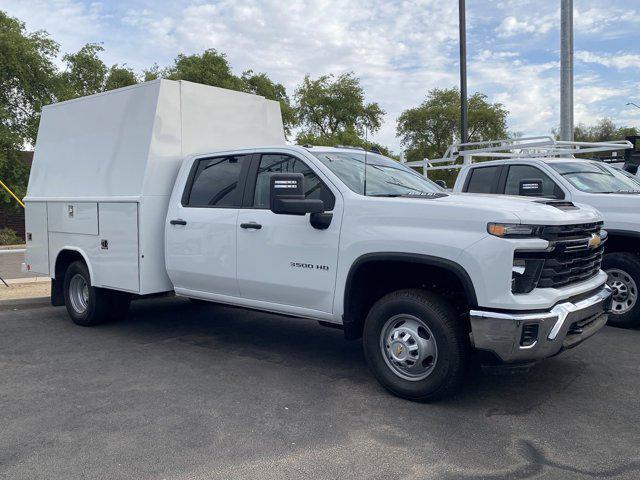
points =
(525, 147)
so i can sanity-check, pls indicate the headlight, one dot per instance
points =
(514, 230)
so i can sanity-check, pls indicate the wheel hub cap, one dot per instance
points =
(624, 291)
(408, 347)
(79, 293)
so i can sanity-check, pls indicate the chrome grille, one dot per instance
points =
(570, 259)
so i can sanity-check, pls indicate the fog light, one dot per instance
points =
(529, 334)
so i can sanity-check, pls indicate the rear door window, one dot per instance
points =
(216, 182)
(483, 179)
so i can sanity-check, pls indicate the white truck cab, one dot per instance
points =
(207, 200)
(612, 191)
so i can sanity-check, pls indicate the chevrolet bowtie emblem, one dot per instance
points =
(594, 241)
(398, 349)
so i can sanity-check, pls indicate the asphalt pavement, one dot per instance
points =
(179, 391)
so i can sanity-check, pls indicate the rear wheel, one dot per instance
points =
(623, 276)
(415, 345)
(88, 305)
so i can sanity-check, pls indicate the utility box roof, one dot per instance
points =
(130, 142)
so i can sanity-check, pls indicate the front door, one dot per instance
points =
(201, 230)
(282, 259)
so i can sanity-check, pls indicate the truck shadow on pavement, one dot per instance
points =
(303, 344)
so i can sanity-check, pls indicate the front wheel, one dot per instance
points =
(415, 345)
(623, 276)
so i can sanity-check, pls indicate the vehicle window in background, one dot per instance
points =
(215, 183)
(482, 179)
(517, 173)
(595, 177)
(385, 177)
(277, 163)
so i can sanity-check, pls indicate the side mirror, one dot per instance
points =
(441, 184)
(530, 188)
(287, 195)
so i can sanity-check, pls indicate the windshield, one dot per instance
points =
(595, 177)
(385, 177)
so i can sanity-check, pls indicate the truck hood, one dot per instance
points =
(527, 210)
(620, 211)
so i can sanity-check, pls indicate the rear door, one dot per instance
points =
(282, 259)
(201, 230)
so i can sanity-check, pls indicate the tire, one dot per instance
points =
(623, 270)
(429, 321)
(86, 305)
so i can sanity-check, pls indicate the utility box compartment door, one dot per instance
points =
(116, 264)
(73, 217)
(37, 254)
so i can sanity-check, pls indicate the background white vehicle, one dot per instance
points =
(612, 191)
(172, 186)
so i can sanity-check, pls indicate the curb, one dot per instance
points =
(22, 281)
(25, 302)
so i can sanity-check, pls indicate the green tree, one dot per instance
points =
(27, 76)
(427, 131)
(602, 131)
(152, 73)
(27, 81)
(85, 73)
(261, 84)
(209, 68)
(118, 77)
(332, 111)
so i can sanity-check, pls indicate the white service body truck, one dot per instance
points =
(613, 192)
(177, 187)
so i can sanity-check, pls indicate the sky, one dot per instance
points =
(399, 49)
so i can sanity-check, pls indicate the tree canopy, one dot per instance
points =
(332, 111)
(86, 74)
(604, 130)
(427, 130)
(27, 82)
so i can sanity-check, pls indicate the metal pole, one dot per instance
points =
(566, 70)
(463, 72)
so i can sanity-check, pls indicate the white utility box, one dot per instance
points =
(105, 165)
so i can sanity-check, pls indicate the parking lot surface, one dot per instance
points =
(179, 391)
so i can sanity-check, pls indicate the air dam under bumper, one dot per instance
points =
(509, 336)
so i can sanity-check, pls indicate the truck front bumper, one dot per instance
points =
(525, 337)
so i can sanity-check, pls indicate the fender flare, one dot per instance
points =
(415, 258)
(82, 254)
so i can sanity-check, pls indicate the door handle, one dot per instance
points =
(178, 221)
(253, 225)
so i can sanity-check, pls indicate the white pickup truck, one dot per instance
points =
(177, 187)
(613, 192)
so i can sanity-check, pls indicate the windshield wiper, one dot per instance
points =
(407, 187)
